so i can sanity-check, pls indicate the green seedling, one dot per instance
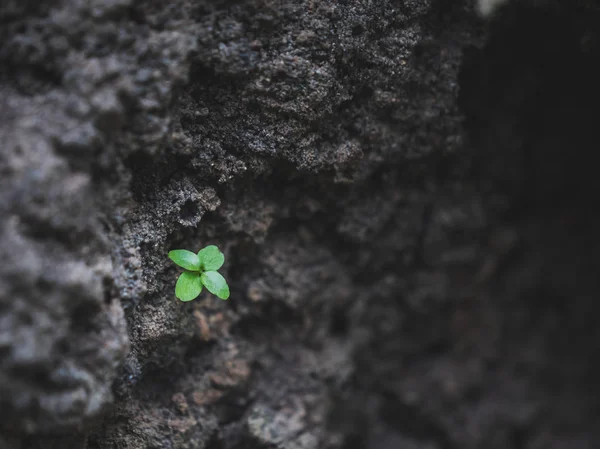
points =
(200, 271)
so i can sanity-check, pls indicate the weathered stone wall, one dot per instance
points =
(404, 194)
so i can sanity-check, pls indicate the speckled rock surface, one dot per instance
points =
(404, 195)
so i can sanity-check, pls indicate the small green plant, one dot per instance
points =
(200, 270)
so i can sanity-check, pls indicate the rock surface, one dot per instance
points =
(404, 195)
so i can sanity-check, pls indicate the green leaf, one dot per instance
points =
(185, 259)
(211, 258)
(216, 284)
(189, 286)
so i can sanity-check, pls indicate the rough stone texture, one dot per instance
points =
(404, 195)
(62, 332)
